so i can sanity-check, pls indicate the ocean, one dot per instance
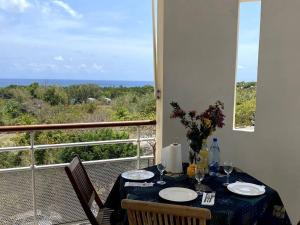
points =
(47, 82)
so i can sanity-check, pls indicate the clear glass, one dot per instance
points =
(199, 176)
(161, 168)
(227, 167)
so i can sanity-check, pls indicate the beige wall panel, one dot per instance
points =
(199, 63)
(199, 58)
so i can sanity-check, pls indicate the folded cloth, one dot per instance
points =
(208, 198)
(138, 184)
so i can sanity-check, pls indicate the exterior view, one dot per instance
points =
(149, 112)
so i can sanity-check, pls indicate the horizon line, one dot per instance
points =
(19, 78)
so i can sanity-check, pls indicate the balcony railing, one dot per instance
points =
(42, 194)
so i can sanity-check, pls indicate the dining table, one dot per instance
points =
(228, 209)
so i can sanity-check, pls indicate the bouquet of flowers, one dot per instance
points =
(199, 126)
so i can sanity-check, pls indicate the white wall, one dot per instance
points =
(197, 42)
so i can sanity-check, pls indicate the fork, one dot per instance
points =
(208, 198)
(211, 196)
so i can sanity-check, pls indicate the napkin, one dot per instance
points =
(138, 184)
(208, 198)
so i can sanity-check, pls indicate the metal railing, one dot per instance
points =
(33, 168)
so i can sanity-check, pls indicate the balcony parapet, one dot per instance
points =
(68, 126)
(36, 193)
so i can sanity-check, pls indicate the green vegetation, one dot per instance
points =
(245, 104)
(35, 104)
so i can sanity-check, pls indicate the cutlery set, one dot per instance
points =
(208, 198)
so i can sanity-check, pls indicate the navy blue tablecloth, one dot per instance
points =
(229, 208)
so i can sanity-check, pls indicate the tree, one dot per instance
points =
(121, 113)
(55, 96)
(146, 106)
(100, 151)
(33, 89)
(245, 104)
(80, 93)
(25, 119)
(13, 109)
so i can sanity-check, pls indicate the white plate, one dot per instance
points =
(178, 194)
(247, 189)
(137, 175)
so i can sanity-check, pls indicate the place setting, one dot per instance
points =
(185, 189)
(137, 178)
(137, 175)
(240, 187)
(186, 194)
(167, 165)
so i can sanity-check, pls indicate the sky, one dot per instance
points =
(248, 44)
(94, 40)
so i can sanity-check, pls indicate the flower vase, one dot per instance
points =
(203, 157)
(192, 165)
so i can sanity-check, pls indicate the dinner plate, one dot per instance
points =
(178, 194)
(246, 189)
(137, 175)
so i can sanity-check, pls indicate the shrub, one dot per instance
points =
(55, 96)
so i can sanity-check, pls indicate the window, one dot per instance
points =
(247, 64)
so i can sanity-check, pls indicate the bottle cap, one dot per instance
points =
(215, 139)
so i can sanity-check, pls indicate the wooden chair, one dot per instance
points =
(85, 191)
(151, 213)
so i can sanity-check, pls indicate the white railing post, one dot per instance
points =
(138, 153)
(33, 176)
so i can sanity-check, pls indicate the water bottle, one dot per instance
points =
(214, 157)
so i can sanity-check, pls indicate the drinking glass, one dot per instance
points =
(227, 167)
(161, 168)
(199, 176)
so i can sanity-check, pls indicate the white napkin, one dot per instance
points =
(138, 184)
(208, 198)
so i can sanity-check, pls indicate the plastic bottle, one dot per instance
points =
(214, 157)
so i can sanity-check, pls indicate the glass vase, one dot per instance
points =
(203, 156)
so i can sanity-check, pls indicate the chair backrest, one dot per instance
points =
(85, 190)
(151, 213)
